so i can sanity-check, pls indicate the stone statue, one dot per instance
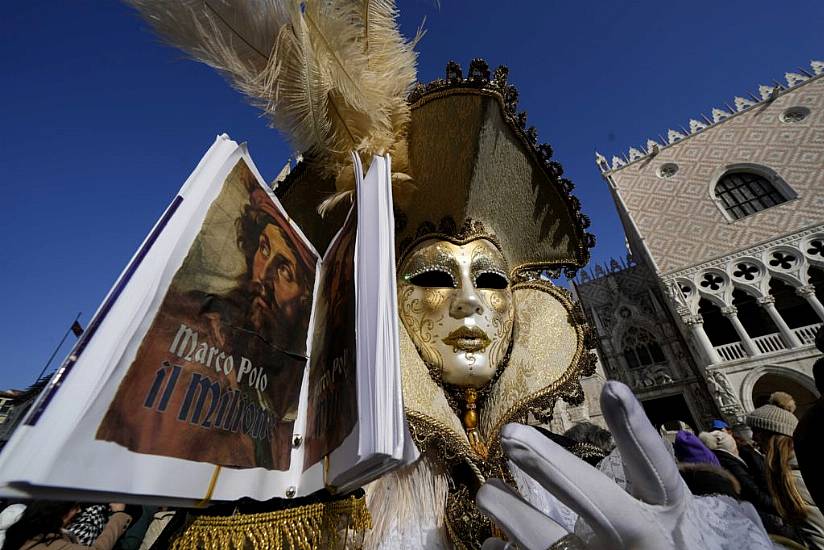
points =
(723, 392)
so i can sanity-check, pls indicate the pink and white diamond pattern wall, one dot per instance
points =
(673, 208)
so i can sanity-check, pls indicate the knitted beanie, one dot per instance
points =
(773, 419)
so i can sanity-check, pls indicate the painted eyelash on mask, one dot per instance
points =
(430, 269)
(492, 272)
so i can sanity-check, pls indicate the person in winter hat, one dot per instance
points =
(699, 467)
(708, 440)
(771, 419)
(726, 450)
(689, 448)
(718, 424)
(773, 429)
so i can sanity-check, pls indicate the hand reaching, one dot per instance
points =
(660, 514)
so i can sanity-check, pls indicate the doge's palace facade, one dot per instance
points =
(726, 221)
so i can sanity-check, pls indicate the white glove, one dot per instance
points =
(660, 514)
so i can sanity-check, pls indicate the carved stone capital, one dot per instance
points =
(733, 411)
(805, 290)
(764, 300)
(692, 320)
(729, 311)
(682, 310)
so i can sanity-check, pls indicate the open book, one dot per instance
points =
(229, 359)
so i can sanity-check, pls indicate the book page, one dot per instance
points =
(332, 402)
(379, 441)
(190, 379)
(217, 377)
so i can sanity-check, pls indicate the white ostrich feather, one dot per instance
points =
(332, 75)
(407, 508)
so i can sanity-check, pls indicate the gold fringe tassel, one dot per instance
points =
(341, 524)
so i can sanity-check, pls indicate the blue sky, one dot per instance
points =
(102, 123)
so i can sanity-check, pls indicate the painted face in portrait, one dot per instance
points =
(274, 274)
(456, 305)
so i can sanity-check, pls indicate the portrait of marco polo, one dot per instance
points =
(217, 376)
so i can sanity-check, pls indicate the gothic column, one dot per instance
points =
(731, 313)
(696, 326)
(808, 293)
(768, 303)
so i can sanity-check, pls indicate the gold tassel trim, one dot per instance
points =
(340, 524)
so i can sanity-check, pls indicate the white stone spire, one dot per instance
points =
(674, 135)
(795, 78)
(742, 103)
(696, 125)
(719, 114)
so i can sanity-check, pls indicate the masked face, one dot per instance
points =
(456, 305)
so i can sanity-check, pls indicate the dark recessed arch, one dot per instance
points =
(757, 322)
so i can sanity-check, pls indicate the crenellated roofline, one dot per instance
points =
(718, 115)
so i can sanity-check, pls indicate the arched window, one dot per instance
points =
(745, 193)
(641, 349)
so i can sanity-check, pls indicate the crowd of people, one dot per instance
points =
(770, 462)
(61, 525)
(760, 462)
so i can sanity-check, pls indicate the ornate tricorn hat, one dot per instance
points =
(475, 168)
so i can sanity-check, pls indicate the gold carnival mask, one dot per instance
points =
(456, 305)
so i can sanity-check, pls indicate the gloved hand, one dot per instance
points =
(660, 514)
